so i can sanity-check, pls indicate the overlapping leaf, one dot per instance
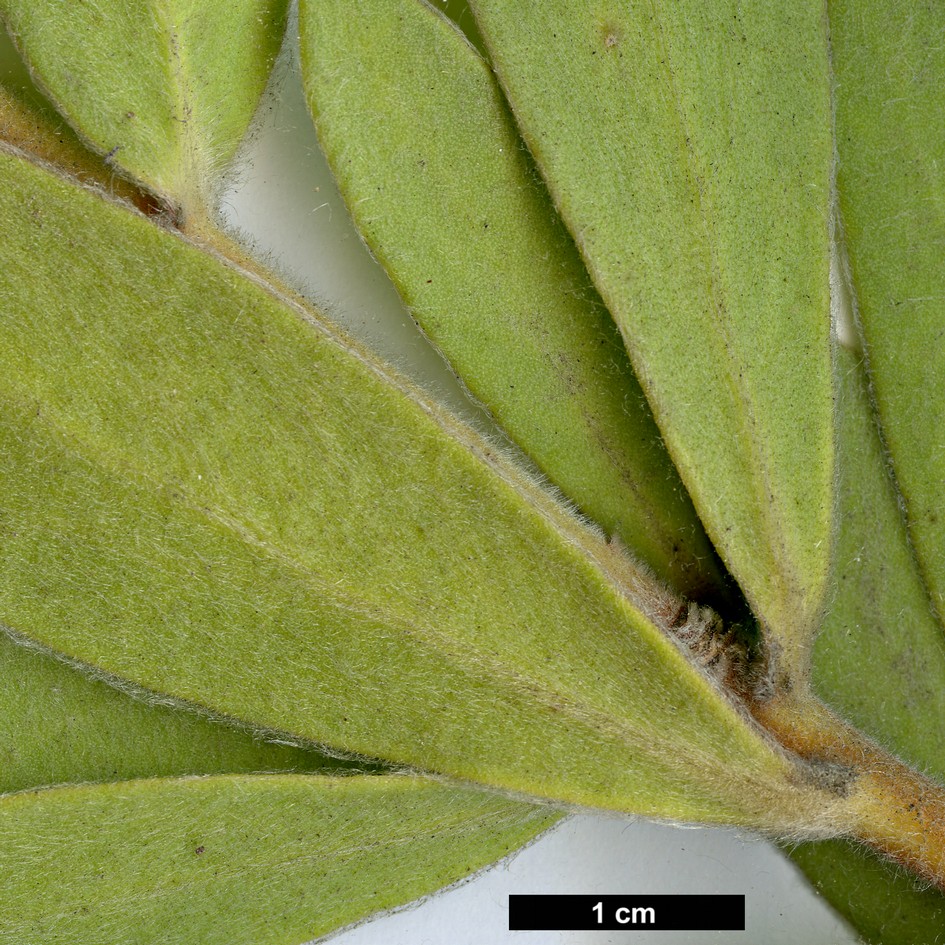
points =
(211, 496)
(59, 725)
(688, 148)
(115, 505)
(443, 192)
(164, 89)
(880, 658)
(281, 858)
(124, 856)
(880, 661)
(31, 123)
(890, 70)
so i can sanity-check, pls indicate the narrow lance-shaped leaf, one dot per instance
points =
(438, 181)
(164, 89)
(208, 493)
(889, 69)
(889, 62)
(57, 724)
(237, 860)
(880, 658)
(880, 661)
(688, 148)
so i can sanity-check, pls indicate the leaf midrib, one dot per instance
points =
(446, 826)
(188, 172)
(742, 397)
(482, 667)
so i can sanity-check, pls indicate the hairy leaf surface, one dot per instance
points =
(880, 658)
(211, 494)
(437, 179)
(889, 61)
(238, 859)
(880, 661)
(29, 121)
(165, 89)
(59, 726)
(889, 69)
(688, 148)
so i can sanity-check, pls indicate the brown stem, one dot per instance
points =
(894, 809)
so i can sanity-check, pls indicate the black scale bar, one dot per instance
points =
(660, 913)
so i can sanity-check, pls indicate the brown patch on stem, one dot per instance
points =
(891, 807)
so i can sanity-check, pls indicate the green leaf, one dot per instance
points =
(881, 654)
(28, 121)
(260, 860)
(880, 657)
(164, 89)
(435, 175)
(885, 905)
(57, 726)
(688, 148)
(890, 70)
(211, 494)
(879, 661)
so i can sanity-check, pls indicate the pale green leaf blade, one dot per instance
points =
(58, 726)
(165, 89)
(880, 656)
(886, 906)
(889, 68)
(437, 180)
(880, 662)
(239, 859)
(211, 494)
(28, 121)
(688, 148)
(889, 62)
